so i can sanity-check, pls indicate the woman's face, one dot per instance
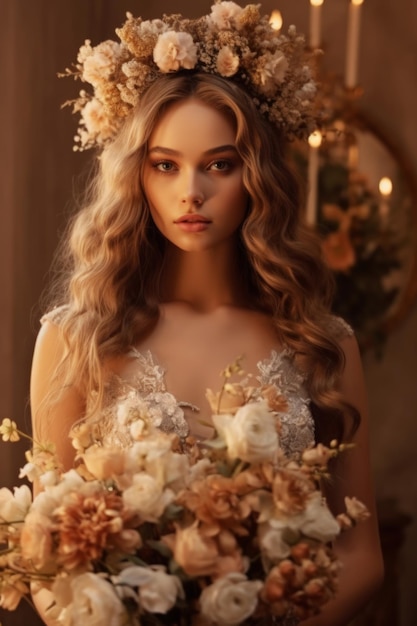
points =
(193, 177)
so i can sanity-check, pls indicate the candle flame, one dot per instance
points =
(315, 139)
(276, 20)
(316, 3)
(357, 2)
(385, 186)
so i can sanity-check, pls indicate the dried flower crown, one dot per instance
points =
(233, 42)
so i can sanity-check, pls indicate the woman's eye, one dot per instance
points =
(221, 165)
(164, 166)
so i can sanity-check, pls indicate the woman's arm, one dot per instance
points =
(358, 548)
(54, 410)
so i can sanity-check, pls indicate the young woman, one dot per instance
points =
(189, 252)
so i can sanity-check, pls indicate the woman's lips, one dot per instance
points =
(193, 223)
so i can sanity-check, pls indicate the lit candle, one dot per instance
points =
(315, 23)
(352, 48)
(385, 189)
(276, 20)
(313, 170)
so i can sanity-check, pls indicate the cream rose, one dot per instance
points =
(158, 591)
(196, 554)
(250, 434)
(230, 599)
(146, 498)
(271, 541)
(94, 602)
(175, 50)
(36, 539)
(316, 521)
(105, 463)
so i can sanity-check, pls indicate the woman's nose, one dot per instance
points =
(192, 192)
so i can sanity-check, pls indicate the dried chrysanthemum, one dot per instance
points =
(87, 525)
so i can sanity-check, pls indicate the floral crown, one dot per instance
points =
(233, 42)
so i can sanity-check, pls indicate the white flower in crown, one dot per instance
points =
(250, 435)
(225, 15)
(175, 50)
(100, 62)
(231, 599)
(271, 72)
(96, 120)
(227, 62)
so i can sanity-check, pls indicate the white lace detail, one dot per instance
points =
(147, 389)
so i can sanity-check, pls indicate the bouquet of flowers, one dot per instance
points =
(165, 531)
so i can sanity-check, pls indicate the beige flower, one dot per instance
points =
(227, 62)
(158, 591)
(291, 490)
(356, 510)
(36, 539)
(251, 434)
(216, 503)
(316, 521)
(271, 71)
(175, 50)
(225, 15)
(230, 600)
(147, 498)
(96, 120)
(271, 540)
(319, 455)
(104, 463)
(100, 63)
(229, 400)
(14, 506)
(195, 553)
(12, 591)
(94, 602)
(8, 430)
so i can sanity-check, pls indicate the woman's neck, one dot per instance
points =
(205, 280)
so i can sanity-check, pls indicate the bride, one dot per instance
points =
(190, 251)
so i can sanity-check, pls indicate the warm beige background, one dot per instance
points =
(39, 173)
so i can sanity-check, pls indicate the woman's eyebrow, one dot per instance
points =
(215, 150)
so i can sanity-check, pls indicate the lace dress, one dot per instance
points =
(147, 387)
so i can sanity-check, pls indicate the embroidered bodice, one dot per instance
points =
(146, 390)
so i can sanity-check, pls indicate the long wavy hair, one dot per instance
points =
(113, 255)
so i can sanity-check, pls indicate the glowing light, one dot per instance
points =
(357, 2)
(385, 186)
(276, 20)
(317, 3)
(315, 139)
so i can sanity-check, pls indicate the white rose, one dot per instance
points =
(316, 521)
(14, 506)
(94, 602)
(147, 498)
(250, 434)
(230, 599)
(51, 498)
(175, 50)
(271, 541)
(158, 591)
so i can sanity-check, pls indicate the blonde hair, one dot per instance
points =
(114, 255)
